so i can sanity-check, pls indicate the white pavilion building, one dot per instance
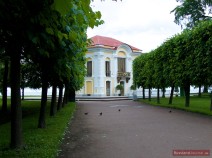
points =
(109, 63)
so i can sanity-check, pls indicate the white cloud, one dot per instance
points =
(144, 24)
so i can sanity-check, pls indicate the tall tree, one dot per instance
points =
(4, 66)
(185, 58)
(53, 107)
(5, 85)
(15, 79)
(139, 79)
(190, 12)
(60, 97)
(32, 27)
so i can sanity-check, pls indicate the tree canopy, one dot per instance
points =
(190, 12)
(49, 37)
(182, 60)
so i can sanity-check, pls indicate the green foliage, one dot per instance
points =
(191, 12)
(185, 59)
(138, 70)
(133, 87)
(54, 35)
(38, 142)
(51, 35)
(119, 87)
(30, 75)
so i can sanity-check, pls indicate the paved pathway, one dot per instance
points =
(137, 131)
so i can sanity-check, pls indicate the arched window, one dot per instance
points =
(89, 67)
(121, 61)
(107, 67)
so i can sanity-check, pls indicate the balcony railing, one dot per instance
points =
(123, 74)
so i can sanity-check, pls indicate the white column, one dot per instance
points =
(115, 73)
(114, 69)
(95, 73)
(99, 71)
(129, 64)
(129, 69)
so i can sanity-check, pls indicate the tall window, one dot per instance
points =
(121, 65)
(89, 68)
(107, 68)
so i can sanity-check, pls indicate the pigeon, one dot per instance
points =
(100, 114)
(119, 110)
(86, 113)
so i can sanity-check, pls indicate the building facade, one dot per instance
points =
(109, 63)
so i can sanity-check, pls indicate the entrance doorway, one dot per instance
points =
(107, 88)
(89, 89)
(122, 91)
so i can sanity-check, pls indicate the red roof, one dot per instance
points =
(107, 41)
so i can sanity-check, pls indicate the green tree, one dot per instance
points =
(31, 29)
(190, 12)
(159, 78)
(4, 81)
(139, 79)
(170, 65)
(4, 69)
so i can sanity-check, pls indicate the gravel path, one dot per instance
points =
(128, 129)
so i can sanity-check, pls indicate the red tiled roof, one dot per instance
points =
(107, 41)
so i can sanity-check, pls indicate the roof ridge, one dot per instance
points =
(109, 41)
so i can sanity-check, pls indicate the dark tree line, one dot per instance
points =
(181, 61)
(42, 44)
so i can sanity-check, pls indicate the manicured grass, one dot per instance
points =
(39, 143)
(197, 105)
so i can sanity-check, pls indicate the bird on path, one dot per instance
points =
(86, 113)
(170, 111)
(100, 114)
(119, 110)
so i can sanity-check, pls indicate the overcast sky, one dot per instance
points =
(144, 24)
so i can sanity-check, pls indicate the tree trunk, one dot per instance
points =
(158, 96)
(53, 101)
(187, 94)
(41, 121)
(199, 94)
(171, 95)
(211, 102)
(59, 103)
(143, 92)
(205, 90)
(164, 91)
(4, 93)
(65, 99)
(22, 96)
(72, 95)
(16, 111)
(149, 94)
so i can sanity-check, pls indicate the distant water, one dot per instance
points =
(30, 92)
(167, 93)
(37, 92)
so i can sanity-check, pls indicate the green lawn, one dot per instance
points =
(198, 105)
(39, 143)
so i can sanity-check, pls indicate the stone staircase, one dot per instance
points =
(86, 98)
(103, 98)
